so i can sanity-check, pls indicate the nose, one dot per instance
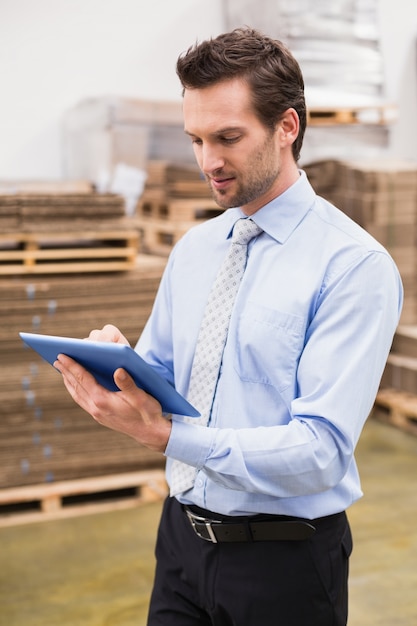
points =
(211, 159)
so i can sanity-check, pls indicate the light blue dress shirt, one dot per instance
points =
(309, 336)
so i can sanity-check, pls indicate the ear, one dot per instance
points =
(288, 128)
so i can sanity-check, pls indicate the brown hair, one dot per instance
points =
(267, 65)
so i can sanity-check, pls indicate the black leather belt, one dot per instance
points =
(221, 530)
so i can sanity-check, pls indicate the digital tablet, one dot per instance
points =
(101, 359)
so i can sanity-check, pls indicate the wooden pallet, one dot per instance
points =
(156, 205)
(80, 497)
(162, 173)
(67, 252)
(329, 116)
(398, 408)
(159, 235)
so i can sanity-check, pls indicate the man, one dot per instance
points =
(261, 537)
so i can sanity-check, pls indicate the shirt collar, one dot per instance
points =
(282, 215)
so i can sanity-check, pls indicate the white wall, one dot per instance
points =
(54, 53)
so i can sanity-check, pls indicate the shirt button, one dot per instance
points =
(200, 482)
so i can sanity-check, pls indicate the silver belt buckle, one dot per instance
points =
(207, 523)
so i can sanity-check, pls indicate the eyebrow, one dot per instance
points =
(221, 131)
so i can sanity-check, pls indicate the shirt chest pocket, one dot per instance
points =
(268, 346)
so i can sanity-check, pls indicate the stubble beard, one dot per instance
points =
(263, 171)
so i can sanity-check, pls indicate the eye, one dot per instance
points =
(230, 140)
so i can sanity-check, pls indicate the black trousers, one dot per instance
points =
(265, 583)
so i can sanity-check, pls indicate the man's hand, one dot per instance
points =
(108, 333)
(130, 411)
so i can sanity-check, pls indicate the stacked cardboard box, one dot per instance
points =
(63, 212)
(58, 231)
(44, 435)
(9, 213)
(13, 192)
(401, 370)
(382, 197)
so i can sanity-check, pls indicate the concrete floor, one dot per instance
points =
(97, 570)
(383, 580)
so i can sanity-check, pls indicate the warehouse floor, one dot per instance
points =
(97, 570)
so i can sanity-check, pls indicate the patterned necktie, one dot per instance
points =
(212, 338)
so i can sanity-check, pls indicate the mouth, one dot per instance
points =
(220, 184)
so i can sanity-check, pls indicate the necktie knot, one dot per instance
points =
(244, 230)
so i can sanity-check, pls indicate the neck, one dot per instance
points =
(284, 181)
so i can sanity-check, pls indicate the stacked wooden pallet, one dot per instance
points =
(175, 199)
(397, 398)
(65, 233)
(44, 436)
(398, 408)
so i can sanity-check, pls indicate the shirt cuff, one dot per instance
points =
(190, 443)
